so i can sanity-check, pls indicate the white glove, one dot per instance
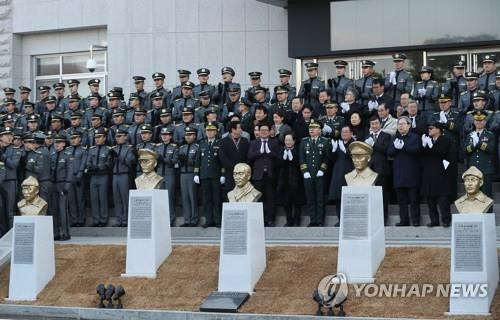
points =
(196, 179)
(335, 145)
(262, 150)
(345, 107)
(372, 105)
(342, 146)
(267, 148)
(290, 155)
(392, 77)
(429, 142)
(421, 92)
(285, 154)
(326, 129)
(370, 141)
(475, 138)
(398, 144)
(222, 180)
(442, 117)
(401, 143)
(307, 175)
(230, 114)
(413, 123)
(319, 173)
(424, 141)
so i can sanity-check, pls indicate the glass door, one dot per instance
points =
(478, 55)
(327, 70)
(442, 61)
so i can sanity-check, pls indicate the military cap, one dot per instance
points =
(188, 85)
(28, 104)
(254, 75)
(73, 82)
(29, 137)
(183, 72)
(24, 89)
(281, 89)
(233, 87)
(158, 75)
(57, 116)
(426, 69)
(76, 133)
(50, 99)
(112, 95)
(311, 66)
(73, 98)
(480, 115)
(203, 72)
(58, 85)
(9, 101)
(94, 82)
(479, 95)
(138, 78)
(94, 95)
(43, 88)
(117, 90)
(331, 104)
(211, 110)
(166, 130)
(30, 181)
(211, 126)
(134, 95)
(204, 93)
(146, 128)
(315, 124)
(8, 118)
(33, 118)
(340, 63)
(147, 154)
(40, 136)
(100, 131)
(436, 124)
(472, 171)
(187, 110)
(123, 129)
(443, 97)
(157, 95)
(245, 102)
(77, 114)
(9, 90)
(459, 64)
(140, 110)
(18, 133)
(165, 111)
(118, 112)
(227, 70)
(498, 74)
(260, 88)
(489, 58)
(284, 72)
(359, 147)
(96, 114)
(6, 130)
(471, 75)
(189, 130)
(398, 57)
(367, 63)
(59, 138)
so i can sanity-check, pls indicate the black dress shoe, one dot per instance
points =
(270, 224)
(446, 224)
(288, 224)
(337, 224)
(319, 225)
(184, 225)
(312, 224)
(57, 238)
(117, 225)
(207, 225)
(217, 225)
(400, 224)
(430, 225)
(124, 225)
(65, 238)
(417, 224)
(95, 224)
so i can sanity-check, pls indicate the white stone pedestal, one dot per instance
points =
(474, 262)
(32, 263)
(149, 240)
(361, 237)
(5, 248)
(242, 247)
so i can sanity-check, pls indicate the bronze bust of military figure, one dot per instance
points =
(149, 178)
(474, 200)
(32, 204)
(362, 175)
(244, 191)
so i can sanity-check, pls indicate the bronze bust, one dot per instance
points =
(244, 191)
(149, 178)
(31, 204)
(362, 175)
(474, 200)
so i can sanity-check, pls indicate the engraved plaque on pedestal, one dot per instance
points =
(24, 243)
(468, 247)
(235, 232)
(355, 216)
(141, 208)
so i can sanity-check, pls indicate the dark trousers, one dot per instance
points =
(267, 187)
(212, 209)
(315, 198)
(10, 190)
(293, 212)
(169, 184)
(75, 203)
(408, 196)
(120, 186)
(59, 202)
(383, 181)
(99, 198)
(3, 214)
(444, 208)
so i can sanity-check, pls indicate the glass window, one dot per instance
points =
(480, 55)
(47, 66)
(442, 63)
(77, 63)
(327, 69)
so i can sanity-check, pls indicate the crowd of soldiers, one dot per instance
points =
(297, 142)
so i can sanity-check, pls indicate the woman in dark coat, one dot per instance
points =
(290, 183)
(435, 186)
(359, 130)
(342, 165)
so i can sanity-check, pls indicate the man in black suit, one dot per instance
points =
(380, 97)
(417, 121)
(263, 156)
(379, 163)
(233, 150)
